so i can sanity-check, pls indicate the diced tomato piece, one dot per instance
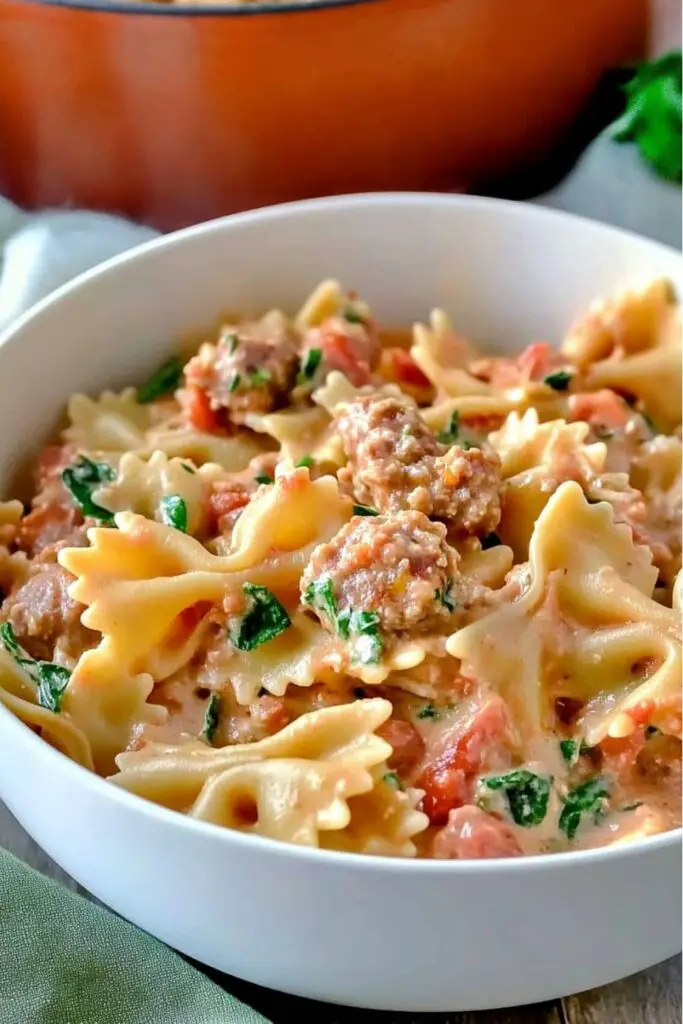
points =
(471, 834)
(641, 713)
(408, 746)
(270, 713)
(342, 352)
(199, 412)
(226, 502)
(604, 408)
(448, 781)
(403, 369)
(534, 362)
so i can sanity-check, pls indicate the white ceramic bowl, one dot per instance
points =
(372, 932)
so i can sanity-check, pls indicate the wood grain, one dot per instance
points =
(652, 997)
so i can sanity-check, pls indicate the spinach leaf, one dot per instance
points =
(310, 361)
(306, 463)
(429, 711)
(174, 512)
(392, 779)
(167, 378)
(652, 118)
(265, 618)
(259, 378)
(571, 750)
(450, 434)
(234, 383)
(84, 477)
(51, 679)
(263, 478)
(527, 794)
(351, 315)
(231, 341)
(211, 717)
(445, 596)
(588, 798)
(364, 510)
(559, 380)
(361, 628)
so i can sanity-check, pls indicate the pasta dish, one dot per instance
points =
(368, 589)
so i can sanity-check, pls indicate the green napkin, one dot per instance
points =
(64, 960)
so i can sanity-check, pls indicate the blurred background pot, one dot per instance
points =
(173, 114)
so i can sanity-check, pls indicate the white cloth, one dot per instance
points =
(40, 252)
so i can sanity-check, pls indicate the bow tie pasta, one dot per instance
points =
(353, 588)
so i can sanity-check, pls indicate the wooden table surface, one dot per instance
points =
(652, 997)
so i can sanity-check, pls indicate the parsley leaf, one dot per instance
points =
(445, 596)
(450, 434)
(174, 512)
(429, 711)
(559, 380)
(167, 378)
(50, 678)
(588, 798)
(392, 779)
(265, 619)
(364, 510)
(211, 717)
(84, 477)
(310, 361)
(527, 794)
(652, 118)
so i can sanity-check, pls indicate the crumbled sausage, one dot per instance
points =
(406, 743)
(401, 568)
(472, 834)
(43, 615)
(395, 462)
(252, 369)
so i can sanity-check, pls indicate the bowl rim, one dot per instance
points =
(199, 9)
(345, 860)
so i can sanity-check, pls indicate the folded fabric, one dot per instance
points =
(42, 251)
(64, 960)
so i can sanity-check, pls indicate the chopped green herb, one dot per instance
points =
(652, 118)
(231, 341)
(603, 433)
(265, 618)
(362, 628)
(445, 596)
(263, 478)
(527, 794)
(306, 463)
(429, 711)
(392, 779)
(234, 382)
(650, 422)
(84, 477)
(51, 679)
(173, 511)
(364, 510)
(492, 540)
(167, 378)
(211, 717)
(188, 468)
(559, 380)
(259, 378)
(450, 434)
(351, 315)
(588, 798)
(570, 750)
(310, 361)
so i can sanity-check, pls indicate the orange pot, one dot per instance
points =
(173, 114)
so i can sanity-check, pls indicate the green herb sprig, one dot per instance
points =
(652, 119)
(51, 679)
(81, 479)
